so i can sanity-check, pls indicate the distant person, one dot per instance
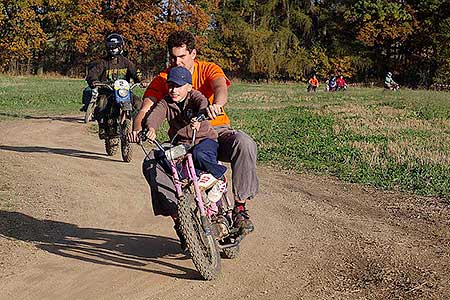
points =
(332, 84)
(389, 83)
(110, 68)
(341, 84)
(313, 84)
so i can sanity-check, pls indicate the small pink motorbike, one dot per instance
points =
(206, 225)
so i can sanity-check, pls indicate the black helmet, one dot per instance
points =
(114, 44)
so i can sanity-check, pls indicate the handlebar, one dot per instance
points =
(101, 84)
(143, 138)
(201, 116)
(111, 85)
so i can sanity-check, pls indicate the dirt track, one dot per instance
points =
(80, 226)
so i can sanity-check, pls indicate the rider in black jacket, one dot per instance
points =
(110, 68)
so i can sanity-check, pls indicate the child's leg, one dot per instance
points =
(205, 158)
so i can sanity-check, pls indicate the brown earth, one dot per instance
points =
(77, 224)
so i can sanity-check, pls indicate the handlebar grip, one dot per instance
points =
(143, 134)
(203, 114)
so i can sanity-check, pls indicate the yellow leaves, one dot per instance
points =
(343, 66)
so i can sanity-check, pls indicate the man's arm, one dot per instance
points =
(220, 88)
(94, 72)
(147, 104)
(133, 71)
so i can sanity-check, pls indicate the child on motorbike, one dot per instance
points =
(180, 107)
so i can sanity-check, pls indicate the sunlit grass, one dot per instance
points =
(393, 140)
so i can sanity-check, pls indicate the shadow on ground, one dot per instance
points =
(141, 252)
(60, 151)
(53, 118)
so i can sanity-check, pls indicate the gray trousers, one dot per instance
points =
(235, 147)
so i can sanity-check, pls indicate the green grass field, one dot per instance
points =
(391, 140)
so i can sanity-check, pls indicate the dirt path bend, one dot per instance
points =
(77, 224)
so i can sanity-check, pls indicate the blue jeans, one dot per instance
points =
(204, 155)
(205, 158)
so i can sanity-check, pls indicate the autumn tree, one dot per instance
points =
(21, 34)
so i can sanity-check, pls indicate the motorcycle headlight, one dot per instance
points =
(123, 92)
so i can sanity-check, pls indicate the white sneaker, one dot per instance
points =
(206, 181)
(217, 191)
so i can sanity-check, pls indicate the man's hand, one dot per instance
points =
(133, 136)
(151, 134)
(214, 110)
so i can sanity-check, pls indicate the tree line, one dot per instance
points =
(251, 39)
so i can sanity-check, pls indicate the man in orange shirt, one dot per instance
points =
(235, 146)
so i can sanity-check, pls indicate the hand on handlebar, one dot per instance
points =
(214, 110)
(151, 134)
(195, 124)
(133, 136)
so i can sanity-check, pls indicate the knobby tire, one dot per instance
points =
(203, 248)
(231, 253)
(112, 145)
(127, 149)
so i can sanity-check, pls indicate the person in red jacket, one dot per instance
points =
(341, 84)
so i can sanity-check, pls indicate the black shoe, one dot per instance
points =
(83, 108)
(183, 244)
(242, 221)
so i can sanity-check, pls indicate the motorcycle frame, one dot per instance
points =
(188, 169)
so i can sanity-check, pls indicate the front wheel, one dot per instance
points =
(201, 243)
(232, 252)
(111, 145)
(127, 149)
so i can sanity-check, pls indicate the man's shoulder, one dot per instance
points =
(210, 71)
(201, 64)
(124, 59)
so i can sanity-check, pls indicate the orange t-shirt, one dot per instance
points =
(314, 81)
(202, 78)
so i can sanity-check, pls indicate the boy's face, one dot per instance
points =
(178, 93)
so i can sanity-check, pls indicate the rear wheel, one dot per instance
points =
(201, 243)
(232, 252)
(127, 149)
(111, 145)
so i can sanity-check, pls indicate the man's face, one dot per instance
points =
(181, 57)
(178, 93)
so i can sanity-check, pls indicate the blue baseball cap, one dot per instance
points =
(180, 76)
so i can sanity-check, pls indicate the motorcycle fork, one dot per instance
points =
(124, 114)
(198, 194)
